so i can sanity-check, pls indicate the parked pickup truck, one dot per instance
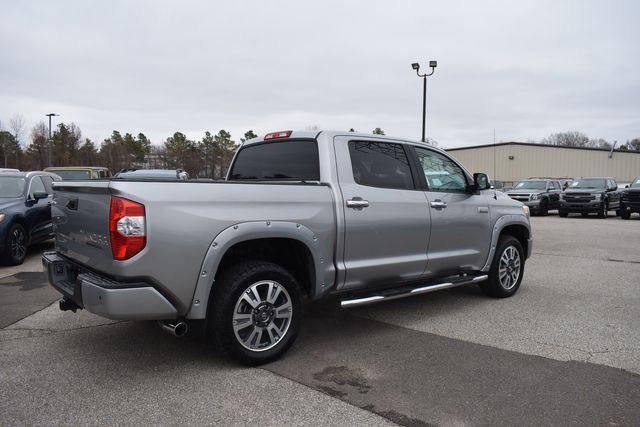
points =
(539, 194)
(362, 218)
(590, 195)
(630, 199)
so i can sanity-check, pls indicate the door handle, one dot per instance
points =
(438, 204)
(357, 203)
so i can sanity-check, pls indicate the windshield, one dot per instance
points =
(531, 185)
(588, 183)
(636, 183)
(11, 186)
(73, 174)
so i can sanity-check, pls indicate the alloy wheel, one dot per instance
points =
(18, 247)
(262, 315)
(509, 267)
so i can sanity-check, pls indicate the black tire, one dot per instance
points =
(543, 210)
(604, 210)
(584, 214)
(15, 245)
(493, 286)
(625, 214)
(563, 214)
(226, 297)
(618, 212)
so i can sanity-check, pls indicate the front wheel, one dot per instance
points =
(255, 314)
(563, 214)
(507, 269)
(544, 207)
(625, 214)
(602, 213)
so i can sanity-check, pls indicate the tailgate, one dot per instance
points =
(80, 214)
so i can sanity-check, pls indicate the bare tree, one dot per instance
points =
(567, 139)
(17, 125)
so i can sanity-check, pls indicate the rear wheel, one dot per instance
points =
(625, 214)
(563, 214)
(15, 245)
(585, 214)
(507, 269)
(256, 312)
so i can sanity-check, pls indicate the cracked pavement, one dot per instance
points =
(564, 350)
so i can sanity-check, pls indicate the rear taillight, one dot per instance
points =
(127, 228)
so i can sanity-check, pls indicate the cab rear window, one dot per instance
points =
(290, 160)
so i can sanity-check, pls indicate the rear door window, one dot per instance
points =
(380, 164)
(290, 160)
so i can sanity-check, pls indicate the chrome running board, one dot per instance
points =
(391, 294)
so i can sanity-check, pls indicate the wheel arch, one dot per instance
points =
(512, 225)
(19, 219)
(293, 246)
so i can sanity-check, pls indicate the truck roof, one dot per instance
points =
(305, 134)
(58, 168)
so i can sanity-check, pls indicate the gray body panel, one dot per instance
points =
(190, 225)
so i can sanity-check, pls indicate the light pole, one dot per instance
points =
(416, 66)
(50, 140)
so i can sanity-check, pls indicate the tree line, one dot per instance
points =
(580, 140)
(207, 157)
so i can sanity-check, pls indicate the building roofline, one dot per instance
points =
(533, 144)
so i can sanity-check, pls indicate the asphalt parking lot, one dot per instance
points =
(564, 350)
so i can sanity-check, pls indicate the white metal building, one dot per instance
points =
(513, 161)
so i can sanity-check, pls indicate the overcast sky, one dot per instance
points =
(526, 69)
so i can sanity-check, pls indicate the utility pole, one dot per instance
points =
(50, 139)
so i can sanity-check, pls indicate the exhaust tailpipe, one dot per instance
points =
(175, 328)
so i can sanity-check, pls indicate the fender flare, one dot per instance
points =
(253, 230)
(498, 226)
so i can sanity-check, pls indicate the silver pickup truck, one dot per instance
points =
(361, 218)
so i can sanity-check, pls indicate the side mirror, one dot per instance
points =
(37, 195)
(626, 186)
(481, 181)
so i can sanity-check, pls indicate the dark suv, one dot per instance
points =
(630, 199)
(25, 212)
(590, 195)
(540, 195)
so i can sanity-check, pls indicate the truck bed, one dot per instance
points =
(182, 221)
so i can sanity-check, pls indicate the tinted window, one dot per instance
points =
(441, 173)
(636, 183)
(288, 160)
(380, 164)
(37, 186)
